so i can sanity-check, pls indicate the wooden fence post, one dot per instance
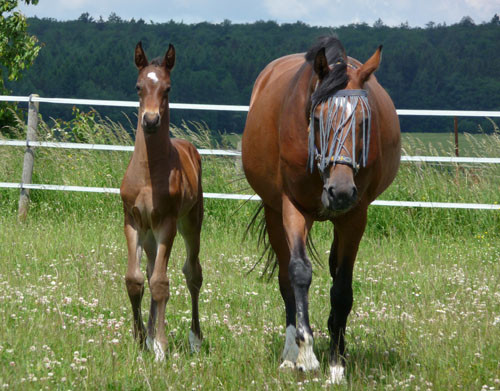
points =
(456, 135)
(29, 157)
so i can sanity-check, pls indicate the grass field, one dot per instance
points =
(426, 312)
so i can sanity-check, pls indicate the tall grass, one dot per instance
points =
(426, 312)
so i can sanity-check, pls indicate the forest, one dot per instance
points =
(441, 67)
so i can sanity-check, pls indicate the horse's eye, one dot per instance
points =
(167, 90)
(138, 88)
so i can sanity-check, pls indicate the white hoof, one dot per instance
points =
(337, 375)
(286, 365)
(195, 342)
(155, 346)
(306, 360)
(159, 353)
(291, 350)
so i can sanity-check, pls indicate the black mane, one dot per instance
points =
(336, 79)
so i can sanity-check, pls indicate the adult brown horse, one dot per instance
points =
(161, 192)
(321, 142)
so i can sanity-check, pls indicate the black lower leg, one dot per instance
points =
(341, 298)
(300, 272)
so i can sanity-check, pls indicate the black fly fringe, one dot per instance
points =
(258, 224)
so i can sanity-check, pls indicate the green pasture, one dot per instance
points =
(426, 312)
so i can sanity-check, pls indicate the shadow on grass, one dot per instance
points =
(363, 360)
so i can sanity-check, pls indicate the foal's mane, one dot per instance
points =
(337, 78)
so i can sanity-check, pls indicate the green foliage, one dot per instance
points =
(426, 309)
(18, 50)
(439, 67)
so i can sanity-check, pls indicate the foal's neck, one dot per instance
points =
(152, 150)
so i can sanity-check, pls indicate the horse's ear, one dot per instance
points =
(169, 59)
(321, 64)
(371, 65)
(141, 60)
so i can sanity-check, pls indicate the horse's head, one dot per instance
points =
(153, 86)
(340, 128)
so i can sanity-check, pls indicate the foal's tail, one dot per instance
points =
(258, 224)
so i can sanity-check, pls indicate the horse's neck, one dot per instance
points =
(152, 152)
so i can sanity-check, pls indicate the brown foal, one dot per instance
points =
(161, 193)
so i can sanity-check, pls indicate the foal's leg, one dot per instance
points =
(190, 229)
(159, 283)
(151, 249)
(297, 226)
(277, 238)
(348, 232)
(134, 278)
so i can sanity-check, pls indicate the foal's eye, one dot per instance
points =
(167, 90)
(138, 88)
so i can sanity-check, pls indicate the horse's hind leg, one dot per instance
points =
(134, 278)
(348, 233)
(277, 239)
(190, 229)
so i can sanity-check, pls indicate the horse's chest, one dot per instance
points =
(151, 203)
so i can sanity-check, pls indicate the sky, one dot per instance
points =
(326, 13)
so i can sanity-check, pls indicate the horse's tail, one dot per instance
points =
(258, 224)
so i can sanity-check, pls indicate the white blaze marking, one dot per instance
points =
(348, 109)
(153, 76)
(346, 105)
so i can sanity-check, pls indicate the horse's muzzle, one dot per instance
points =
(151, 122)
(338, 198)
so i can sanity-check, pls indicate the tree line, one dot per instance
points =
(437, 67)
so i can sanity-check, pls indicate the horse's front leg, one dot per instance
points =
(277, 239)
(297, 226)
(348, 232)
(134, 278)
(159, 283)
(151, 249)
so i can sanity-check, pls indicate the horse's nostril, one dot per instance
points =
(151, 120)
(354, 192)
(331, 191)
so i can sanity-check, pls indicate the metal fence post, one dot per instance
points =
(29, 157)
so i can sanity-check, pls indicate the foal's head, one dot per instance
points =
(153, 86)
(340, 126)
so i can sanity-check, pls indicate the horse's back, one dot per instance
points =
(275, 74)
(260, 143)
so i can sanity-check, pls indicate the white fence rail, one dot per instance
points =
(193, 106)
(102, 147)
(225, 152)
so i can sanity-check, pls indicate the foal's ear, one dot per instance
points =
(370, 66)
(141, 60)
(169, 59)
(321, 64)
